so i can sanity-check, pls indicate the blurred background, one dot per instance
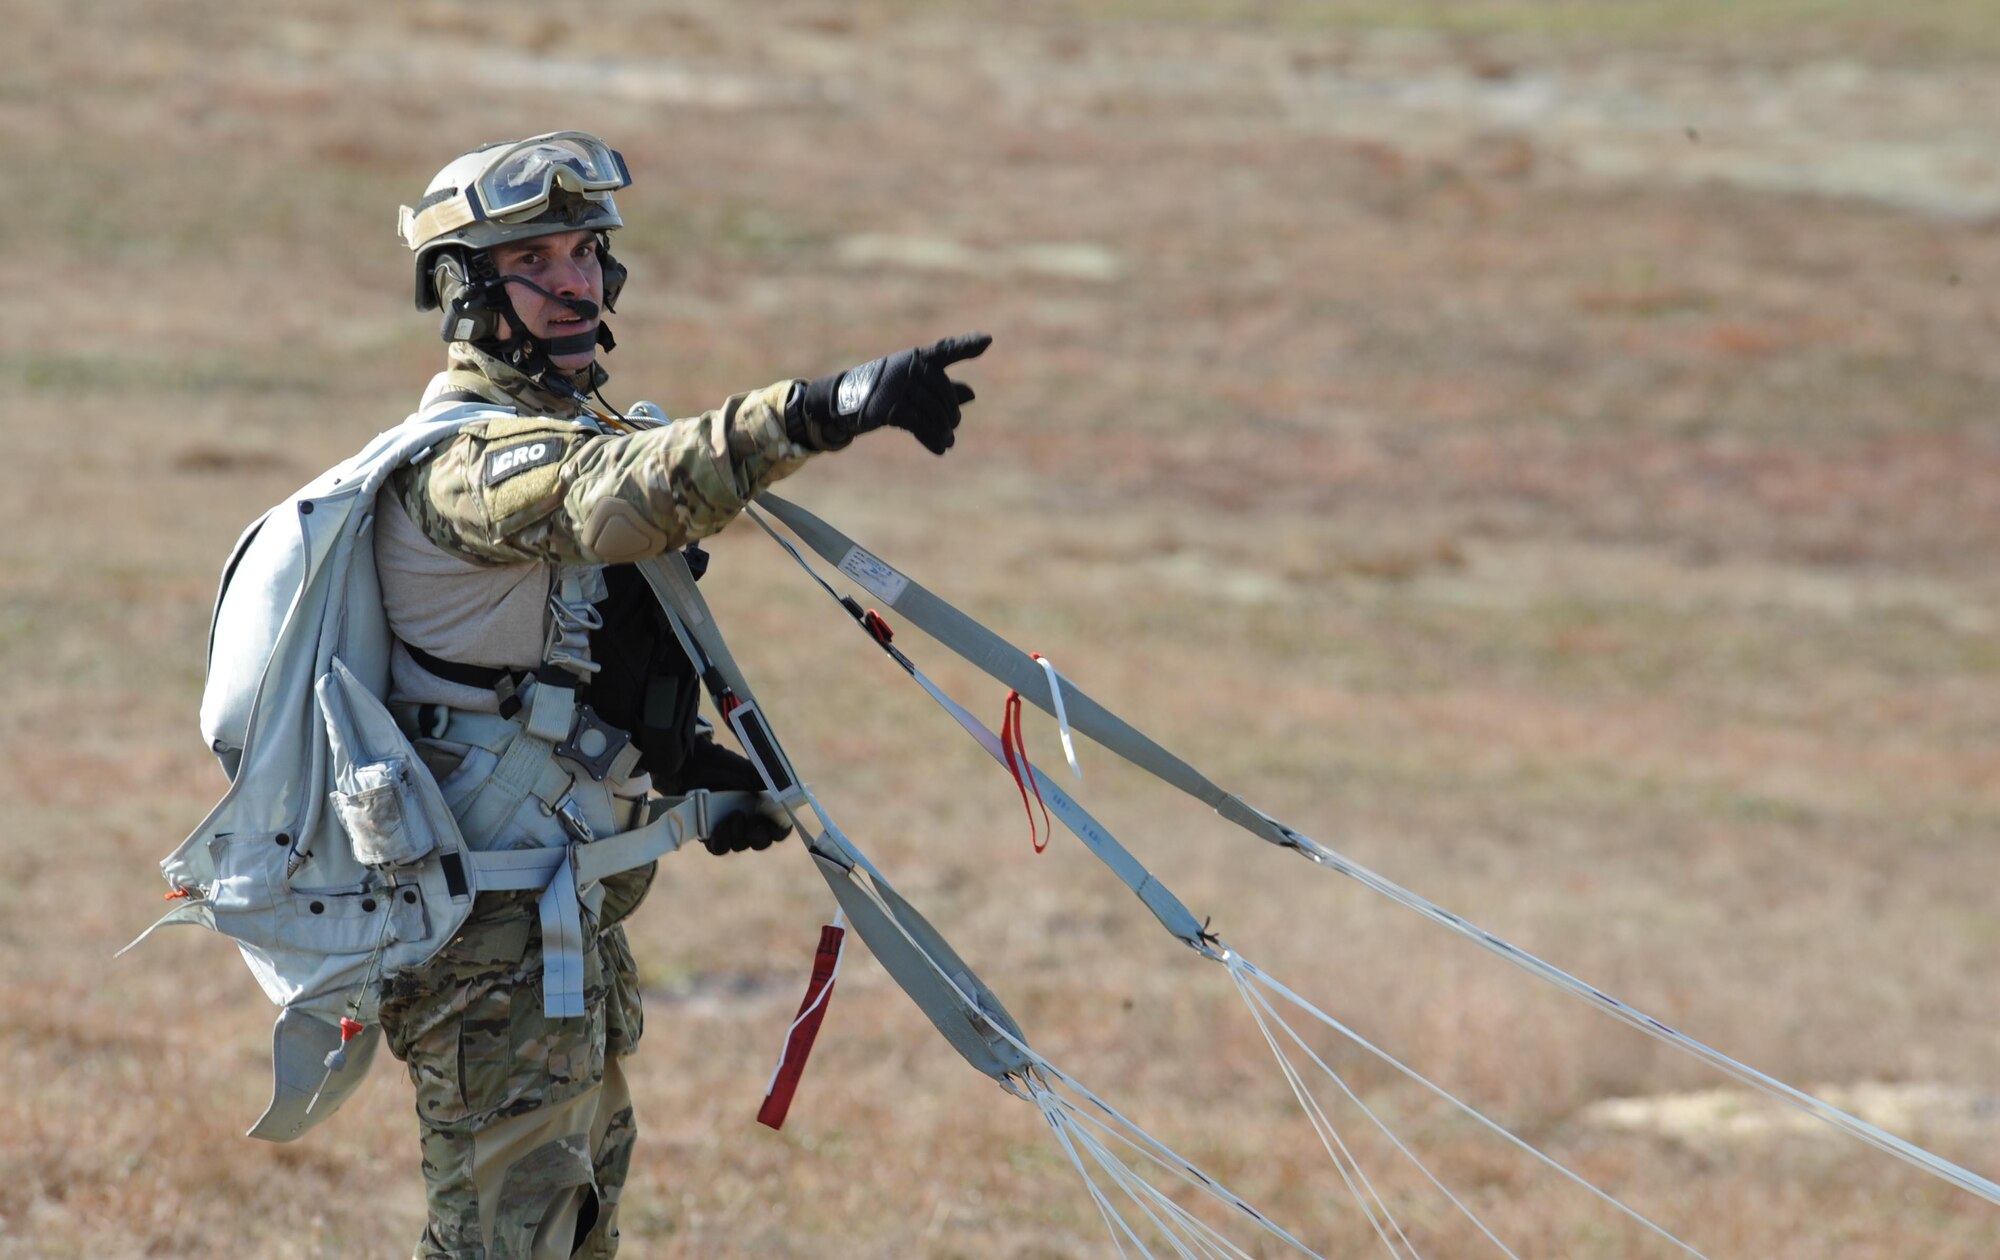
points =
(1546, 451)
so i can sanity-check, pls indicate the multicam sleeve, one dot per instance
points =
(536, 488)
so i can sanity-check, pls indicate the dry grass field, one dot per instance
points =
(1547, 451)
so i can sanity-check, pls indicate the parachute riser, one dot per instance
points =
(987, 651)
(968, 1014)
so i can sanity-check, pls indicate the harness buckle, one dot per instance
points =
(433, 720)
(570, 815)
(703, 824)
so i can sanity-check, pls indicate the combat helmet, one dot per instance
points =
(512, 190)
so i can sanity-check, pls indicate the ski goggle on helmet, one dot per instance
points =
(513, 184)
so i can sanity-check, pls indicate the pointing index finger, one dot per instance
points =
(957, 349)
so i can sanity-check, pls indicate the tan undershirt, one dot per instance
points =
(455, 609)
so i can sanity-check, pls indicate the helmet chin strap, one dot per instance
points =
(574, 343)
(531, 354)
(482, 305)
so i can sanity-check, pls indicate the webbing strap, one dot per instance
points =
(1166, 907)
(959, 1005)
(458, 726)
(483, 677)
(675, 822)
(1157, 897)
(527, 766)
(513, 870)
(1015, 668)
(994, 655)
(551, 711)
(485, 731)
(467, 396)
(562, 943)
(559, 872)
(694, 628)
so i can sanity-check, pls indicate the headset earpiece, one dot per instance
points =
(614, 272)
(468, 313)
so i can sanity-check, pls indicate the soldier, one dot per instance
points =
(503, 557)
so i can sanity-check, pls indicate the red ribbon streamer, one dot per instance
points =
(1016, 749)
(805, 1027)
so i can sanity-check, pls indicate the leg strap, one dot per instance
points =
(560, 872)
(562, 943)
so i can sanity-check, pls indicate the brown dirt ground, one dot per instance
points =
(1546, 451)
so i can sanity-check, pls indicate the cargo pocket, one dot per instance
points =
(386, 800)
(454, 1021)
(510, 1056)
(624, 1020)
(381, 825)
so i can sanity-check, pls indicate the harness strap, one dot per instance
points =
(551, 711)
(959, 1005)
(1166, 907)
(457, 726)
(497, 735)
(675, 822)
(560, 872)
(527, 766)
(562, 942)
(483, 677)
(484, 730)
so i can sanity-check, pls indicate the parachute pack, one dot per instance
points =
(334, 859)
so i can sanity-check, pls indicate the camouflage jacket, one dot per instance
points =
(550, 485)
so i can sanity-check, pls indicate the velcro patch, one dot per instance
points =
(508, 461)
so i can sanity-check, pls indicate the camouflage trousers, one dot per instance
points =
(526, 1123)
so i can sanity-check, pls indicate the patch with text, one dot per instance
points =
(520, 457)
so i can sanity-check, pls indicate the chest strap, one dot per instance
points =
(505, 684)
(483, 677)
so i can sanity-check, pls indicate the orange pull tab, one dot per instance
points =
(878, 626)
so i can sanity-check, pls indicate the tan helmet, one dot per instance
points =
(509, 191)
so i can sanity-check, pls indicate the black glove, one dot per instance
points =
(906, 390)
(750, 829)
(710, 765)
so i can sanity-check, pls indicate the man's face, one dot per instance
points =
(564, 263)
